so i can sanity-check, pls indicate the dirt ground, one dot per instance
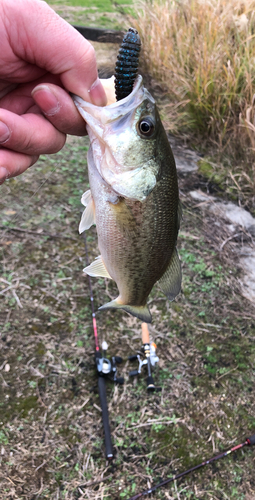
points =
(51, 435)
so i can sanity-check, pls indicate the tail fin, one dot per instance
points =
(140, 312)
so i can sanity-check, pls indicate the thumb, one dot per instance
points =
(59, 108)
(42, 38)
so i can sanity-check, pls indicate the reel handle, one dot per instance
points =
(133, 357)
(251, 440)
(118, 359)
(119, 380)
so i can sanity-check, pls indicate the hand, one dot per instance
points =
(42, 59)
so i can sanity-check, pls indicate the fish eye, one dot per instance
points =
(146, 127)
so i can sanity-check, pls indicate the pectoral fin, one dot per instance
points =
(97, 268)
(140, 312)
(170, 282)
(86, 198)
(88, 216)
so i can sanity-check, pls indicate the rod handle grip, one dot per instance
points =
(145, 334)
(251, 440)
(105, 418)
(150, 383)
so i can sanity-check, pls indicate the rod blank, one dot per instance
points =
(249, 442)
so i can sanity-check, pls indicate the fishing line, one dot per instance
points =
(248, 442)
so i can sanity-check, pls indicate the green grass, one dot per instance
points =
(107, 14)
(103, 5)
(49, 400)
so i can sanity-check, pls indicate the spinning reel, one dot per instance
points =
(147, 357)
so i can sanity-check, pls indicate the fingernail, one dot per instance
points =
(46, 100)
(4, 174)
(4, 133)
(97, 93)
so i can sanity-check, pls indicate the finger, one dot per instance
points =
(59, 109)
(12, 163)
(19, 100)
(39, 36)
(30, 133)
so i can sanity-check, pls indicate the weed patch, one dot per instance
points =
(202, 54)
(51, 434)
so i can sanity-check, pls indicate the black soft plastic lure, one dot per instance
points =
(127, 64)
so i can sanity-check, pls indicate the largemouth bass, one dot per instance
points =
(133, 199)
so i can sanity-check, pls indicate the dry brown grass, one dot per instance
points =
(202, 52)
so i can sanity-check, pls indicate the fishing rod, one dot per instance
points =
(106, 368)
(248, 442)
(147, 358)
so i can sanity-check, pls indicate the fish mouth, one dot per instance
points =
(113, 104)
(95, 115)
(118, 156)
